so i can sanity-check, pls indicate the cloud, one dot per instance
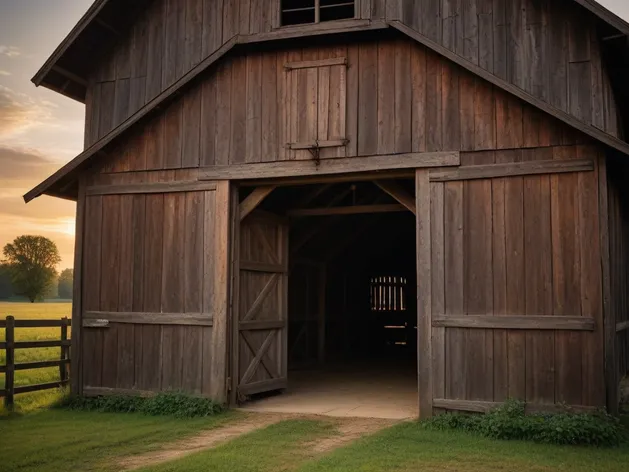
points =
(19, 112)
(22, 165)
(10, 51)
(4, 73)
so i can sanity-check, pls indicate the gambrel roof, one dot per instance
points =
(67, 69)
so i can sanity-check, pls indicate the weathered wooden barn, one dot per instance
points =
(270, 185)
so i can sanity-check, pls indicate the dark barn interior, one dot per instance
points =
(352, 305)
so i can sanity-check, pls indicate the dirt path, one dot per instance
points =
(348, 430)
(205, 440)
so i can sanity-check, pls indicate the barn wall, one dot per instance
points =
(618, 201)
(151, 257)
(400, 97)
(549, 49)
(522, 245)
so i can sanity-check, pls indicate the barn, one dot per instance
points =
(429, 195)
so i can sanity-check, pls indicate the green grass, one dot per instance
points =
(80, 441)
(407, 447)
(20, 310)
(63, 440)
(281, 446)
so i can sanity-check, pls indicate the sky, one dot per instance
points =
(41, 130)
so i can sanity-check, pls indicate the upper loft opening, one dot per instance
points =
(302, 12)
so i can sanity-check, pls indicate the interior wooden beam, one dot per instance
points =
(397, 192)
(348, 210)
(322, 226)
(253, 200)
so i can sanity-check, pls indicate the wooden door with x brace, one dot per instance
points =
(261, 323)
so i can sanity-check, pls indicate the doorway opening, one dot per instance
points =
(350, 335)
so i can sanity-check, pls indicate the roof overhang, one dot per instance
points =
(66, 71)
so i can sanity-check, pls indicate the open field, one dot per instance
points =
(25, 310)
(80, 441)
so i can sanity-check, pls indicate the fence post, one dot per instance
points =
(9, 378)
(63, 368)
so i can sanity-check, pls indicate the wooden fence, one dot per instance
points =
(10, 346)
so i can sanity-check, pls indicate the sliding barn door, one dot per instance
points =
(261, 323)
(510, 301)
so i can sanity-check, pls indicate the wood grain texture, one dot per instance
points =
(424, 292)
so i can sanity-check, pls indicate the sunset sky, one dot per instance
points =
(41, 130)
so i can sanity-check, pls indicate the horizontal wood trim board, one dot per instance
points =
(39, 387)
(302, 31)
(37, 323)
(622, 326)
(263, 386)
(157, 187)
(38, 365)
(513, 89)
(512, 170)
(569, 323)
(35, 344)
(348, 210)
(262, 267)
(163, 98)
(348, 165)
(103, 391)
(260, 325)
(332, 179)
(484, 407)
(333, 61)
(188, 319)
(317, 144)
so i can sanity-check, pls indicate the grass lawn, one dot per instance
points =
(403, 448)
(407, 447)
(54, 440)
(24, 310)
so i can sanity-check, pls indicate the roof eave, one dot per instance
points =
(89, 16)
(605, 15)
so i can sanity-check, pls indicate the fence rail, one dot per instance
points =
(10, 346)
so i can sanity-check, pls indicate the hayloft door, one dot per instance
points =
(260, 327)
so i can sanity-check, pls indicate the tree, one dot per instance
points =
(66, 283)
(32, 261)
(6, 287)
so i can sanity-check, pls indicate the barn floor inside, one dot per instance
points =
(352, 310)
(349, 390)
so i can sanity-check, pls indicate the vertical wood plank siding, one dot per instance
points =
(549, 49)
(242, 112)
(149, 254)
(518, 246)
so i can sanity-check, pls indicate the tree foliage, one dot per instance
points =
(65, 283)
(32, 261)
(6, 287)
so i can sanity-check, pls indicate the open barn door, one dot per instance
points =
(260, 328)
